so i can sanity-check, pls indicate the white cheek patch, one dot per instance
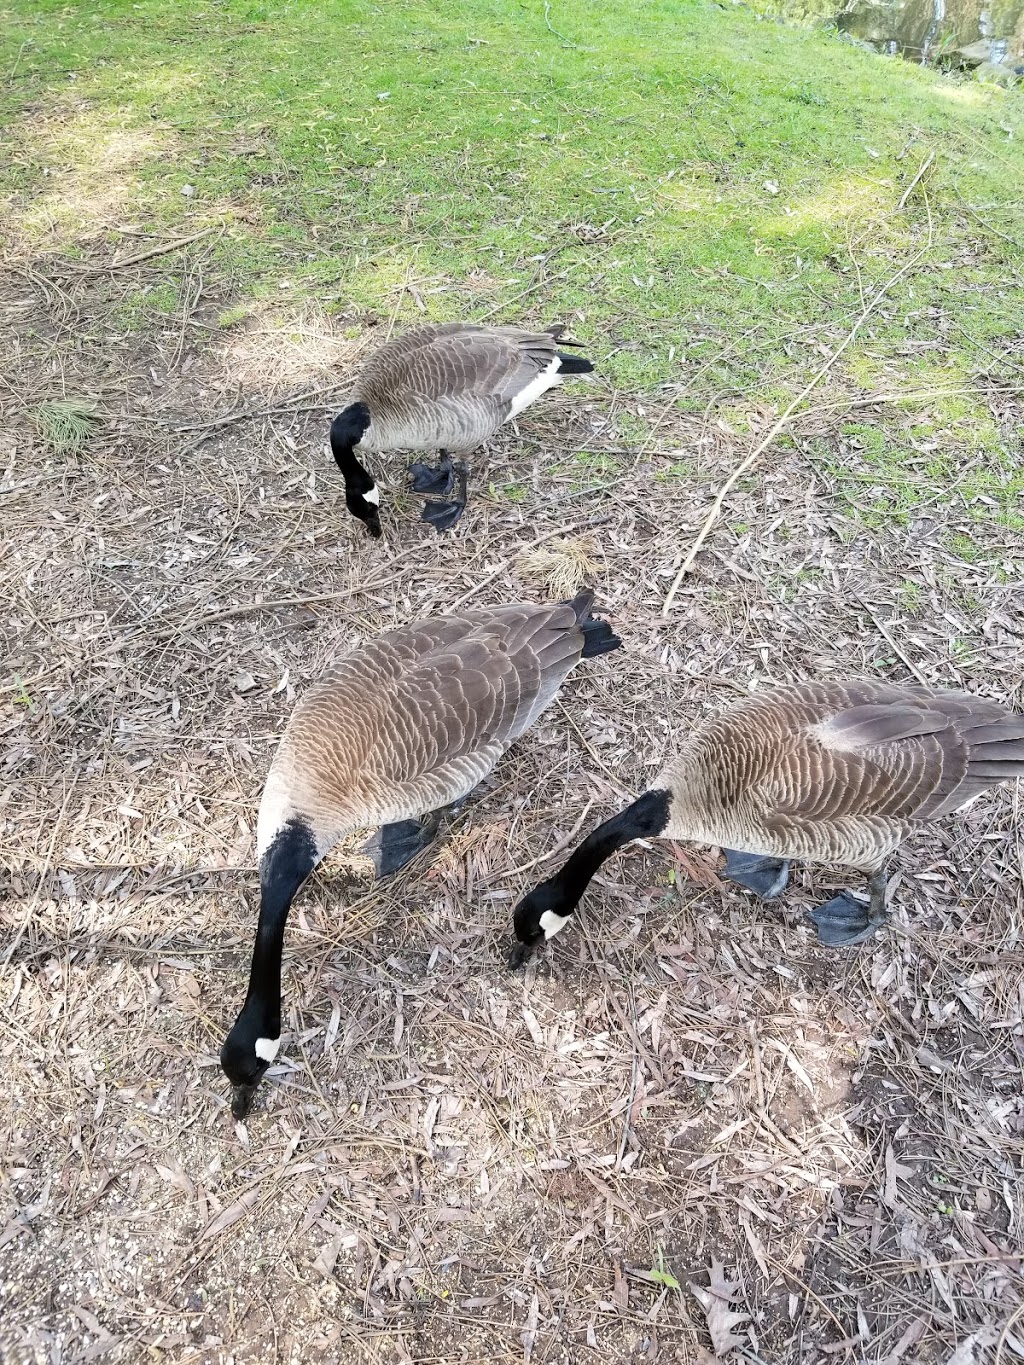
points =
(266, 1048)
(373, 496)
(551, 923)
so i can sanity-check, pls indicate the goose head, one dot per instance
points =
(248, 1050)
(546, 909)
(364, 504)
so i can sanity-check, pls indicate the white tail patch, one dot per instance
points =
(266, 1048)
(552, 923)
(373, 495)
(547, 379)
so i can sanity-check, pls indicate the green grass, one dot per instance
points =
(139, 308)
(707, 193)
(65, 425)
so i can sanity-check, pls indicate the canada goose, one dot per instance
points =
(407, 723)
(835, 772)
(445, 388)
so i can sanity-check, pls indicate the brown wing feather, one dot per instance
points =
(828, 767)
(875, 759)
(425, 711)
(464, 359)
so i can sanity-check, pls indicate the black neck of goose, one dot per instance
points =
(347, 430)
(644, 819)
(283, 868)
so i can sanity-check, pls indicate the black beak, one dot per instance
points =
(373, 528)
(241, 1100)
(521, 954)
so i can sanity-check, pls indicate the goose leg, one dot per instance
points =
(395, 845)
(848, 918)
(443, 515)
(766, 877)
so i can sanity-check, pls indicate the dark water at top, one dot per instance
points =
(983, 35)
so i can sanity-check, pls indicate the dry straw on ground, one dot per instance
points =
(688, 1130)
(561, 567)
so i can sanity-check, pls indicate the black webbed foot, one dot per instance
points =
(395, 845)
(846, 919)
(766, 877)
(438, 482)
(443, 515)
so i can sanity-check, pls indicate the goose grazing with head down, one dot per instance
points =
(445, 388)
(408, 723)
(833, 772)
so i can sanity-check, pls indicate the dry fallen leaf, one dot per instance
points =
(327, 1259)
(227, 1217)
(967, 1352)
(715, 1301)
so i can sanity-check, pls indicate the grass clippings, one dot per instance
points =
(65, 425)
(561, 567)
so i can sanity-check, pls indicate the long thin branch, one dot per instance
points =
(163, 249)
(551, 27)
(916, 180)
(893, 645)
(762, 446)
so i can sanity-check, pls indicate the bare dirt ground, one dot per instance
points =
(688, 1133)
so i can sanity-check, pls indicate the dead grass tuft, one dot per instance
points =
(561, 567)
(277, 351)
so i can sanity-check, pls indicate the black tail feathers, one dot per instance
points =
(598, 636)
(573, 364)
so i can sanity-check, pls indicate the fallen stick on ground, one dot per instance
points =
(916, 180)
(161, 250)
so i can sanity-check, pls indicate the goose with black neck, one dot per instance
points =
(446, 387)
(829, 772)
(398, 731)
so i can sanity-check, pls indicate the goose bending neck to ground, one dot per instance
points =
(835, 772)
(408, 723)
(445, 388)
